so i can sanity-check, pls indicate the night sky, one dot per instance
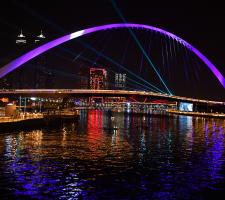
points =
(202, 25)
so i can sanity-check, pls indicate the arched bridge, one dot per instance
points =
(33, 53)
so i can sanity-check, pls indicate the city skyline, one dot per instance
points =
(33, 18)
(112, 99)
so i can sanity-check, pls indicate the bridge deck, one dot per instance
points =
(88, 92)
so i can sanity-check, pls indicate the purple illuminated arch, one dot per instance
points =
(35, 52)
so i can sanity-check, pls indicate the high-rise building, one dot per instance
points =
(98, 79)
(19, 75)
(21, 39)
(83, 82)
(120, 81)
(40, 38)
(40, 64)
(4, 83)
(43, 76)
(40, 75)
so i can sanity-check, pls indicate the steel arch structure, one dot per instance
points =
(45, 47)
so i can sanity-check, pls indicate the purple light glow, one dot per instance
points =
(33, 53)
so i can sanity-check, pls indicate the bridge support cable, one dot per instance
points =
(163, 57)
(189, 61)
(140, 46)
(190, 64)
(175, 44)
(197, 66)
(171, 56)
(178, 48)
(185, 65)
(168, 61)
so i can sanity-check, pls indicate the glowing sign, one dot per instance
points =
(186, 107)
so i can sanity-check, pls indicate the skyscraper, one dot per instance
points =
(120, 81)
(43, 75)
(21, 43)
(40, 38)
(40, 76)
(98, 79)
(40, 62)
(21, 39)
(83, 81)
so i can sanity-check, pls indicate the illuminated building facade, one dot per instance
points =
(120, 81)
(98, 79)
(40, 38)
(21, 39)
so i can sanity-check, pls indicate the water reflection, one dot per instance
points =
(127, 156)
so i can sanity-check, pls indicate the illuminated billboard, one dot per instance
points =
(186, 107)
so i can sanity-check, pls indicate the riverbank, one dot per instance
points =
(36, 121)
(197, 114)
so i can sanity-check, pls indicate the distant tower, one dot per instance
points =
(43, 75)
(83, 81)
(21, 43)
(98, 79)
(21, 39)
(40, 38)
(120, 81)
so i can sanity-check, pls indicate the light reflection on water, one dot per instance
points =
(140, 157)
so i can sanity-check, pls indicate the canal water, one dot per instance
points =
(119, 157)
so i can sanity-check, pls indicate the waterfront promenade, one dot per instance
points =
(37, 120)
(197, 114)
(21, 117)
